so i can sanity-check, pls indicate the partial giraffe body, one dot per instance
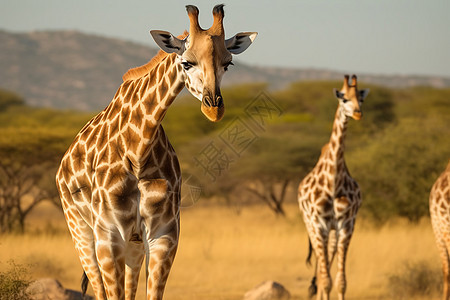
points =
(329, 197)
(440, 220)
(120, 180)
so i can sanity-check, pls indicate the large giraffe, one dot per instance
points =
(329, 198)
(440, 219)
(119, 181)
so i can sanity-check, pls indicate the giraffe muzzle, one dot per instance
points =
(357, 115)
(213, 109)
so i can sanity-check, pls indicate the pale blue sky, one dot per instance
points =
(354, 36)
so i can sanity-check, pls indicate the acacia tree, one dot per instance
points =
(28, 160)
(271, 192)
(278, 158)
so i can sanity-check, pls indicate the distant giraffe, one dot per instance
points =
(440, 219)
(119, 181)
(329, 197)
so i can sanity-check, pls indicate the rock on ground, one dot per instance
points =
(268, 290)
(51, 289)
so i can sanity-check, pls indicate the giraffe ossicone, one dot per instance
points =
(119, 181)
(329, 198)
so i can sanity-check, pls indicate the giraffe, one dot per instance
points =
(119, 182)
(440, 220)
(329, 197)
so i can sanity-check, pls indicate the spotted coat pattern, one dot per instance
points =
(123, 155)
(440, 220)
(119, 182)
(329, 199)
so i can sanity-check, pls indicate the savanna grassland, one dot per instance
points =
(244, 226)
(223, 253)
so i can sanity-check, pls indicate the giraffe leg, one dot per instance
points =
(162, 250)
(110, 251)
(446, 270)
(332, 245)
(83, 238)
(133, 263)
(161, 233)
(344, 236)
(312, 290)
(443, 247)
(320, 245)
(445, 258)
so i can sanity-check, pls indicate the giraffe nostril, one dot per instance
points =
(219, 101)
(207, 101)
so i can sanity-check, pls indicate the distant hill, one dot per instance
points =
(73, 70)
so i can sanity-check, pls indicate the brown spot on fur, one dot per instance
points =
(320, 168)
(330, 155)
(308, 179)
(347, 185)
(333, 144)
(101, 175)
(172, 76)
(444, 183)
(102, 137)
(331, 169)
(131, 139)
(115, 109)
(149, 130)
(317, 193)
(163, 88)
(124, 116)
(329, 184)
(137, 116)
(78, 157)
(321, 180)
(97, 119)
(150, 105)
(335, 130)
(114, 153)
(161, 70)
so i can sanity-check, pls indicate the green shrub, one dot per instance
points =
(415, 279)
(13, 283)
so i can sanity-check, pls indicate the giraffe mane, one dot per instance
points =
(138, 72)
(324, 148)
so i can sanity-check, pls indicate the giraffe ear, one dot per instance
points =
(363, 93)
(240, 42)
(167, 42)
(338, 94)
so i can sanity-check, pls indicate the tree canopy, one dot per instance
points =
(266, 143)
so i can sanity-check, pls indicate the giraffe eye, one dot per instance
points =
(187, 65)
(344, 100)
(225, 67)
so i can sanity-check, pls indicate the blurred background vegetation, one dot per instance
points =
(395, 152)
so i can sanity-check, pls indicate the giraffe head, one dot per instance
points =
(205, 56)
(350, 98)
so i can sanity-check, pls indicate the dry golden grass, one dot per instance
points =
(222, 254)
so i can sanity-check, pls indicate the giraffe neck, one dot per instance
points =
(141, 105)
(156, 91)
(336, 145)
